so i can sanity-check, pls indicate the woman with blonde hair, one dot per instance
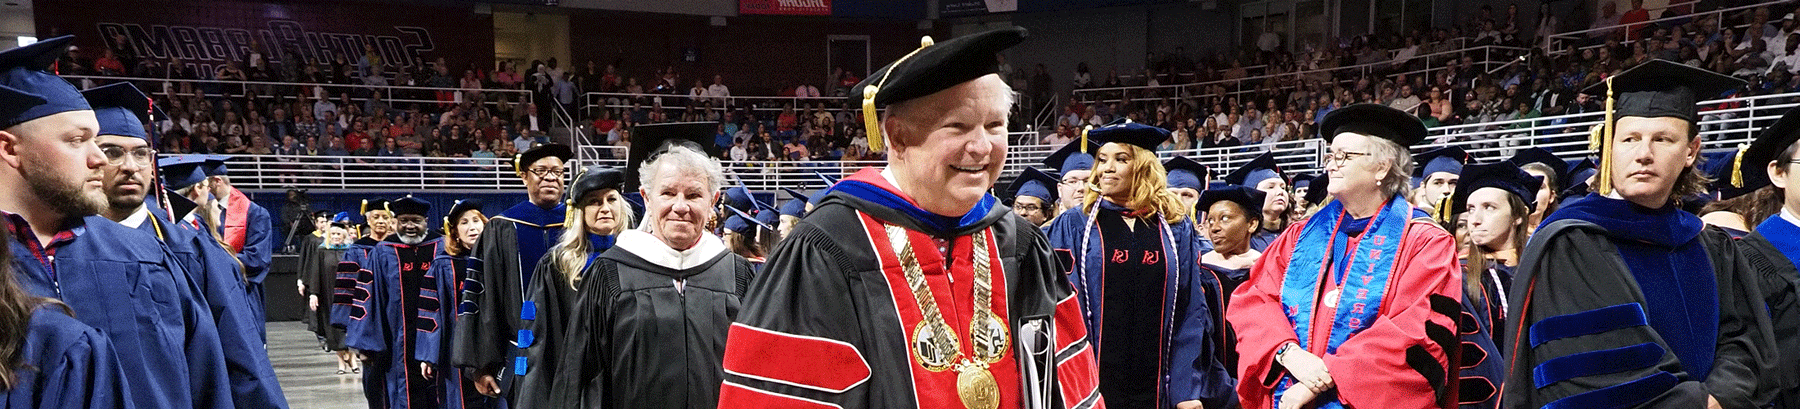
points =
(597, 214)
(1134, 251)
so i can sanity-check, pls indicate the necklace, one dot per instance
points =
(935, 344)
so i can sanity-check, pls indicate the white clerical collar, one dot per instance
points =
(137, 217)
(1788, 214)
(653, 250)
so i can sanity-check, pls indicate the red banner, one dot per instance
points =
(206, 34)
(785, 7)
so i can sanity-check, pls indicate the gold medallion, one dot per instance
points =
(976, 386)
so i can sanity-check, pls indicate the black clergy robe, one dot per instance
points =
(1774, 251)
(499, 270)
(646, 328)
(829, 321)
(318, 269)
(1617, 305)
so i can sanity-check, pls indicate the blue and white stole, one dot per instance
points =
(1361, 274)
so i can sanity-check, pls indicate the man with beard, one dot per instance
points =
(116, 279)
(122, 110)
(247, 230)
(501, 266)
(400, 298)
(845, 313)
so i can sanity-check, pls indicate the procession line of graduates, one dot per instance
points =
(111, 269)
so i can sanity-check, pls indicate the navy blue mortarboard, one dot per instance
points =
(1255, 171)
(1447, 159)
(1072, 157)
(738, 197)
(344, 219)
(1304, 180)
(1726, 167)
(1500, 175)
(1034, 183)
(1542, 156)
(1249, 198)
(1767, 147)
(794, 207)
(1578, 174)
(594, 178)
(794, 194)
(29, 90)
(181, 171)
(740, 222)
(523, 160)
(829, 181)
(370, 205)
(1130, 133)
(456, 211)
(215, 165)
(1186, 173)
(768, 218)
(121, 109)
(1380, 121)
(409, 205)
(931, 68)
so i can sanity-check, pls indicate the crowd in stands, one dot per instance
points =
(1225, 103)
(1534, 77)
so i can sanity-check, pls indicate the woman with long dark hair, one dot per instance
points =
(1494, 201)
(1134, 250)
(51, 360)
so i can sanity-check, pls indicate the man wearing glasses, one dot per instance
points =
(500, 268)
(127, 179)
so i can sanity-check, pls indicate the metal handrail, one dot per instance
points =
(1580, 34)
(1486, 142)
(1254, 79)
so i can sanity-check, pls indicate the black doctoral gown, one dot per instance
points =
(494, 288)
(318, 269)
(829, 320)
(643, 334)
(1773, 250)
(1584, 331)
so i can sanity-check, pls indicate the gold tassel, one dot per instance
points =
(518, 168)
(1603, 145)
(364, 209)
(1084, 140)
(872, 122)
(1737, 166)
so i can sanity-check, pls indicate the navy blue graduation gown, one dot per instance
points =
(433, 346)
(494, 289)
(69, 365)
(401, 291)
(259, 250)
(350, 297)
(216, 272)
(122, 281)
(1481, 370)
(1187, 330)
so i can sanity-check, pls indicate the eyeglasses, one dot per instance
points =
(1341, 157)
(546, 173)
(116, 155)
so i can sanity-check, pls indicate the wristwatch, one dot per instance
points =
(1282, 350)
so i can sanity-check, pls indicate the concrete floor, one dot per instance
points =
(308, 374)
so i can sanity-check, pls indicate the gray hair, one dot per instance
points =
(1399, 176)
(686, 161)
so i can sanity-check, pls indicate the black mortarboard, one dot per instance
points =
(927, 70)
(181, 171)
(370, 205)
(1500, 175)
(29, 89)
(1663, 88)
(409, 205)
(595, 178)
(1316, 191)
(121, 109)
(1380, 121)
(523, 160)
(1768, 145)
(647, 140)
(1255, 171)
(1076, 155)
(1186, 173)
(1304, 180)
(1130, 133)
(1655, 89)
(1248, 197)
(461, 206)
(1448, 159)
(1034, 183)
(1540, 155)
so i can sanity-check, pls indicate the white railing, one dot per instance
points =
(1566, 135)
(284, 90)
